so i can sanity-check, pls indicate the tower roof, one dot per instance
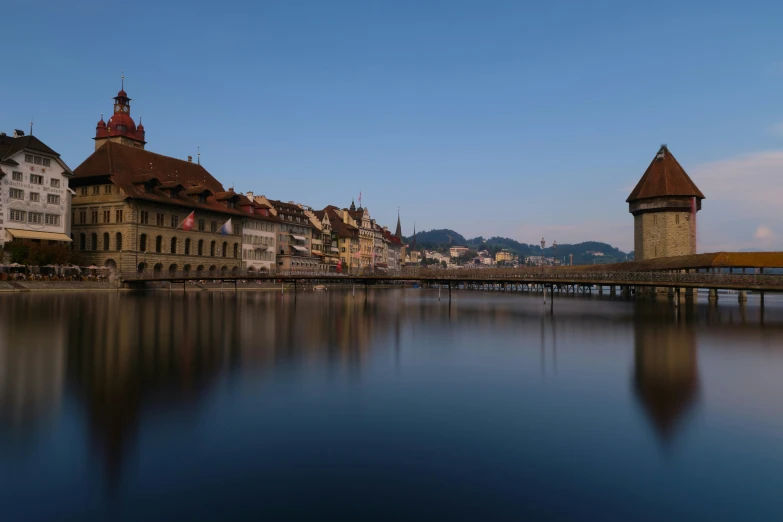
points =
(398, 232)
(664, 177)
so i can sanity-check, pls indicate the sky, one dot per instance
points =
(508, 118)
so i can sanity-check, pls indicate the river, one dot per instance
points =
(391, 406)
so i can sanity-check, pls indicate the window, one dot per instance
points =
(35, 197)
(159, 244)
(107, 189)
(212, 249)
(174, 221)
(82, 242)
(187, 247)
(35, 218)
(236, 250)
(52, 219)
(143, 243)
(118, 241)
(37, 160)
(118, 216)
(224, 250)
(17, 176)
(145, 217)
(96, 189)
(82, 217)
(16, 194)
(93, 241)
(106, 241)
(201, 225)
(107, 216)
(159, 219)
(47, 162)
(202, 198)
(93, 216)
(200, 247)
(149, 188)
(55, 183)
(18, 215)
(83, 191)
(53, 199)
(173, 245)
(28, 158)
(213, 226)
(35, 179)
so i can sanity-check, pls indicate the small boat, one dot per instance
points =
(319, 287)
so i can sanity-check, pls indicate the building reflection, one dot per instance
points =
(32, 362)
(666, 379)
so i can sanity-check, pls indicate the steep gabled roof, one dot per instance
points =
(10, 145)
(664, 177)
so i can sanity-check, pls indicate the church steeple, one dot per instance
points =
(398, 232)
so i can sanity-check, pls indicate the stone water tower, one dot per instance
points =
(664, 206)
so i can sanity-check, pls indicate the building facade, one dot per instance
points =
(259, 237)
(130, 207)
(35, 202)
(294, 238)
(664, 205)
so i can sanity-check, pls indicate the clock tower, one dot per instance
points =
(120, 128)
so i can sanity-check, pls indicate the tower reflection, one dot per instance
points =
(666, 379)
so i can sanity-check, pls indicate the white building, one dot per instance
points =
(458, 251)
(35, 201)
(259, 235)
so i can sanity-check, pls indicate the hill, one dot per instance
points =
(444, 238)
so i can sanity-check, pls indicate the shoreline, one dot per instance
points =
(71, 287)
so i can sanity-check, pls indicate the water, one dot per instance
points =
(397, 407)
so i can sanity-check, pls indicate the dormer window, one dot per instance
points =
(230, 203)
(202, 198)
(149, 187)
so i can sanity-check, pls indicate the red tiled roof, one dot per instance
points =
(132, 168)
(664, 177)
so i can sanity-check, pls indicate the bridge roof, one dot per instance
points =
(713, 260)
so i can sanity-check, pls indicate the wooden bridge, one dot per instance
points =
(557, 279)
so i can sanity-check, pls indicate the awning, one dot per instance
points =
(31, 234)
(334, 249)
(298, 238)
(299, 248)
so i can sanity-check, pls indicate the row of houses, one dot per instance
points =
(133, 210)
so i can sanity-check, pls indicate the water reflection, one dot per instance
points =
(666, 377)
(394, 372)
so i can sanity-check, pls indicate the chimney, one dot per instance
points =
(190, 159)
(18, 133)
(249, 195)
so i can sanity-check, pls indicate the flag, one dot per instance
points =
(187, 224)
(227, 228)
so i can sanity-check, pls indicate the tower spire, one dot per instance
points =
(122, 80)
(398, 232)
(198, 156)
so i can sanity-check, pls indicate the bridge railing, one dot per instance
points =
(595, 277)
(526, 275)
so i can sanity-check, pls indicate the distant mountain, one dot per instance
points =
(584, 253)
(436, 238)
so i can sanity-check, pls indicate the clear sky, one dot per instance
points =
(508, 118)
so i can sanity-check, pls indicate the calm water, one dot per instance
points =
(397, 407)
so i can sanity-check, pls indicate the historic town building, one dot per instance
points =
(35, 202)
(259, 236)
(130, 207)
(345, 237)
(294, 237)
(664, 206)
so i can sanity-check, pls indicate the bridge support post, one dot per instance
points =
(439, 285)
(713, 295)
(742, 296)
(449, 291)
(600, 290)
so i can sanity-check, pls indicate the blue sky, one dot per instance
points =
(489, 117)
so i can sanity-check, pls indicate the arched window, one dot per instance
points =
(212, 249)
(94, 241)
(159, 244)
(118, 240)
(201, 247)
(106, 241)
(236, 250)
(143, 243)
(225, 249)
(142, 267)
(173, 245)
(187, 246)
(82, 242)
